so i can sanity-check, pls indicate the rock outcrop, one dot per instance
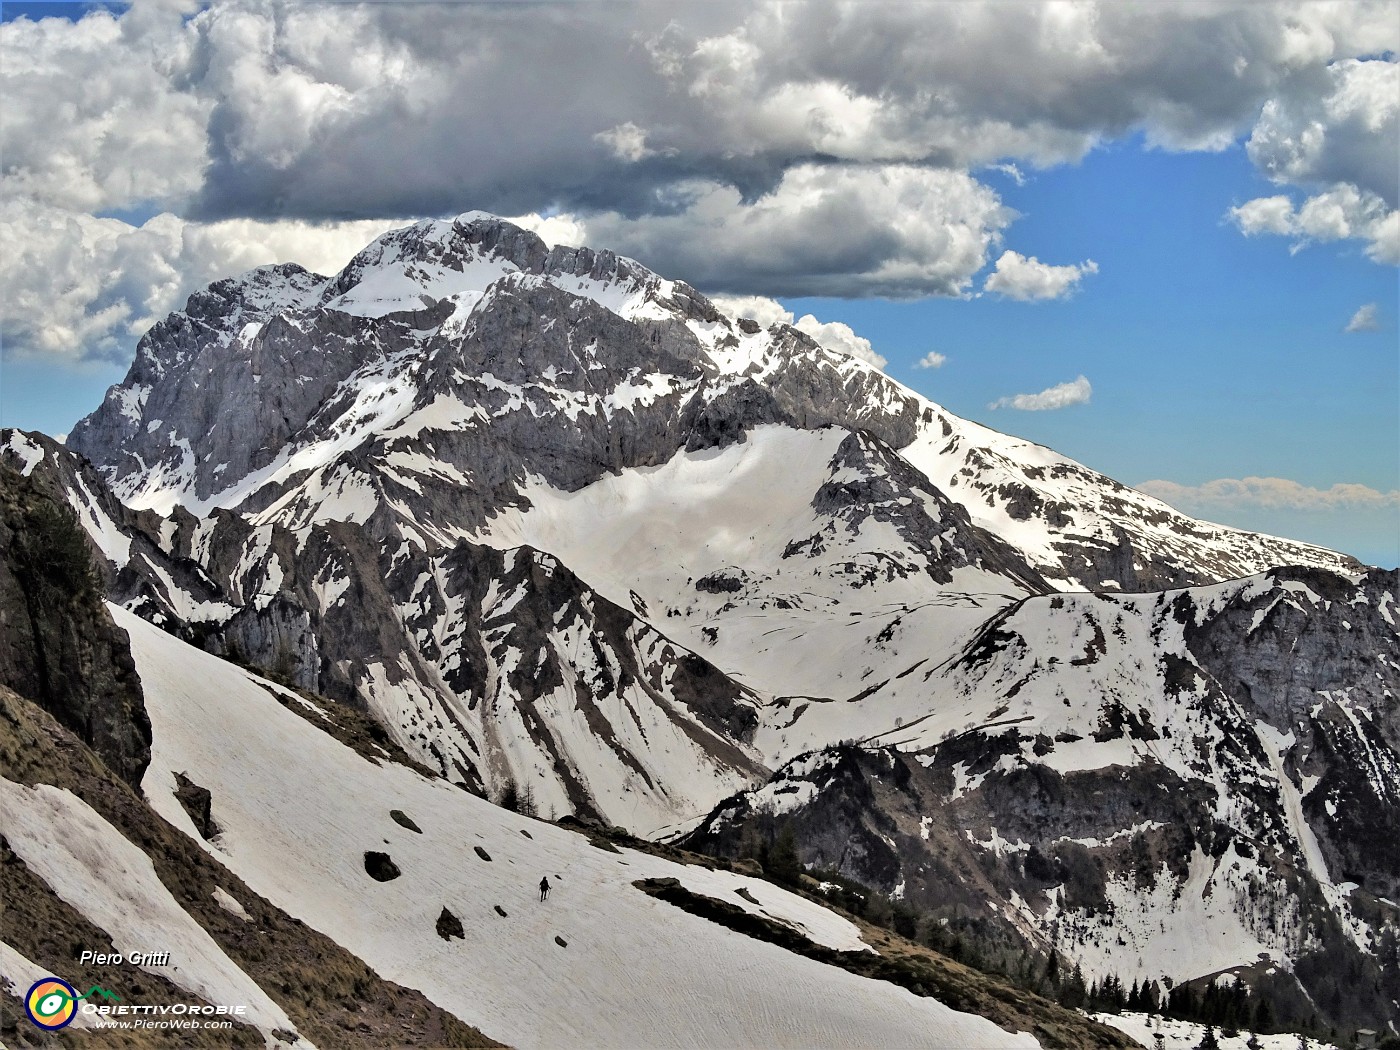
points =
(58, 645)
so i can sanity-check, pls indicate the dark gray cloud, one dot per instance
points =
(270, 110)
(892, 230)
(430, 109)
(776, 148)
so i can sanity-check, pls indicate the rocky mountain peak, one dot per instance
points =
(450, 257)
(467, 348)
(262, 290)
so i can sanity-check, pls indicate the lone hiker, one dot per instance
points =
(544, 887)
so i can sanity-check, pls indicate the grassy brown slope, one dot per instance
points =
(964, 988)
(901, 961)
(334, 998)
(909, 965)
(52, 933)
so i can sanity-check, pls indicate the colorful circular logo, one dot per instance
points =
(51, 1003)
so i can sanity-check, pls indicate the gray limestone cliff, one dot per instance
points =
(58, 644)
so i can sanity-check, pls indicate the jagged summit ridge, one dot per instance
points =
(269, 364)
(466, 352)
(443, 258)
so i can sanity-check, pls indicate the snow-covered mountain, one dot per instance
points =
(452, 364)
(558, 523)
(1158, 786)
(791, 515)
(489, 666)
(274, 900)
(595, 965)
(302, 877)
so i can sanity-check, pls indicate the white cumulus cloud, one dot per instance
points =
(755, 307)
(78, 287)
(784, 149)
(1343, 135)
(896, 231)
(1340, 143)
(1062, 395)
(94, 118)
(627, 142)
(1340, 213)
(838, 336)
(932, 359)
(1019, 277)
(1364, 320)
(1264, 215)
(1268, 494)
(554, 229)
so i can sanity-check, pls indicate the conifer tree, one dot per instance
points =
(1072, 992)
(783, 864)
(1263, 1015)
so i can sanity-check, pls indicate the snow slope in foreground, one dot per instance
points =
(90, 865)
(299, 810)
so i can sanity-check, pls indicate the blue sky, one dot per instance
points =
(1214, 341)
(1211, 355)
(36, 9)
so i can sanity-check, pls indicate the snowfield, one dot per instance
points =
(795, 625)
(630, 971)
(94, 868)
